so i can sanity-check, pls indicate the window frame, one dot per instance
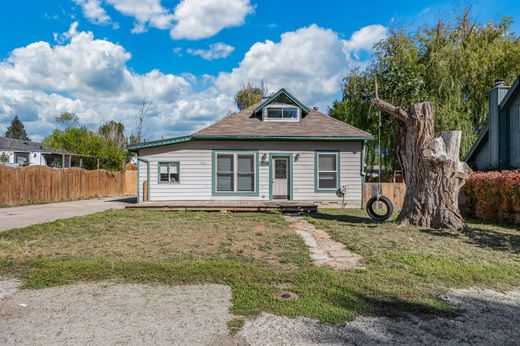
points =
(265, 111)
(317, 171)
(169, 163)
(25, 155)
(235, 153)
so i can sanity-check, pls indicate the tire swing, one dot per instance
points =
(376, 201)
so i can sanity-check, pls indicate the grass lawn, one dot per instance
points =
(258, 255)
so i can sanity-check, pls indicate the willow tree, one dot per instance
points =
(452, 64)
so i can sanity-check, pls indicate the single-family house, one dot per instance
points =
(277, 149)
(17, 152)
(498, 145)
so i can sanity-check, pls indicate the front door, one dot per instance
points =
(280, 176)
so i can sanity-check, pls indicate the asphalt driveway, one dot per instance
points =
(18, 217)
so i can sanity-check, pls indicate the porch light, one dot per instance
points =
(297, 157)
(264, 157)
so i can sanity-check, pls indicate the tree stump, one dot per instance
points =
(431, 168)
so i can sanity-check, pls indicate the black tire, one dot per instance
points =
(373, 215)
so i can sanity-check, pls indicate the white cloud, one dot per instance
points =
(93, 11)
(365, 39)
(191, 19)
(309, 62)
(217, 50)
(90, 77)
(145, 12)
(196, 19)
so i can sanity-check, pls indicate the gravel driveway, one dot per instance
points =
(132, 314)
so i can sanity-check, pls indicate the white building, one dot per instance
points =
(278, 149)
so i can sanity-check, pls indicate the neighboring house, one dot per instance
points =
(275, 149)
(498, 145)
(16, 152)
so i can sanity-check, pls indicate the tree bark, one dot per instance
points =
(431, 167)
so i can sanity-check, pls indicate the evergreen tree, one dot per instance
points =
(16, 130)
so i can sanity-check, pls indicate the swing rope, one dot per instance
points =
(379, 148)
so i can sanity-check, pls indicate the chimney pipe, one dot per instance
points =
(499, 83)
(315, 108)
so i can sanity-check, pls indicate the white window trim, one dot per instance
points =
(169, 163)
(266, 118)
(235, 171)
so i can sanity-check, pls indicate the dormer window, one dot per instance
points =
(281, 113)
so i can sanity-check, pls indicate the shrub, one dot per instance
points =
(493, 196)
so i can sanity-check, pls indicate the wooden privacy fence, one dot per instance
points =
(40, 184)
(394, 191)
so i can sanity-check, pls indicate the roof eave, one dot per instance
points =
(483, 134)
(135, 147)
(284, 138)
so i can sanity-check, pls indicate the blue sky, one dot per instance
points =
(101, 58)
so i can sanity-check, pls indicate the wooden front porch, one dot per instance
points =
(245, 206)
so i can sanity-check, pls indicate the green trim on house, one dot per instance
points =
(291, 183)
(161, 142)
(278, 93)
(338, 168)
(282, 138)
(362, 166)
(214, 153)
(139, 199)
(159, 172)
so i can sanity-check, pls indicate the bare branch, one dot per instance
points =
(389, 108)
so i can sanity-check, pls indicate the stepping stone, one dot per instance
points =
(324, 251)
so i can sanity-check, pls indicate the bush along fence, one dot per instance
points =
(492, 196)
(41, 184)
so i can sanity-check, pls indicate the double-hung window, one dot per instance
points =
(169, 172)
(235, 172)
(327, 170)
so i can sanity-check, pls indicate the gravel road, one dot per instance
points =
(132, 314)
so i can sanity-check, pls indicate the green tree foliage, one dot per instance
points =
(452, 65)
(17, 130)
(80, 140)
(248, 95)
(114, 132)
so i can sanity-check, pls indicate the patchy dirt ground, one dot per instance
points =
(483, 317)
(133, 314)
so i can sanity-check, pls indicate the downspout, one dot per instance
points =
(139, 159)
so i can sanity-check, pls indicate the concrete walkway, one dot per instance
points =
(18, 217)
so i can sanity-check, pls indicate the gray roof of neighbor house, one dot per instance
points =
(11, 144)
(248, 125)
(18, 144)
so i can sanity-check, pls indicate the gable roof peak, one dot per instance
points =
(277, 94)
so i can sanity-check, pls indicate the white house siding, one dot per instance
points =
(195, 159)
(35, 158)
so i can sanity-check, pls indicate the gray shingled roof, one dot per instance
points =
(11, 144)
(17, 144)
(315, 124)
